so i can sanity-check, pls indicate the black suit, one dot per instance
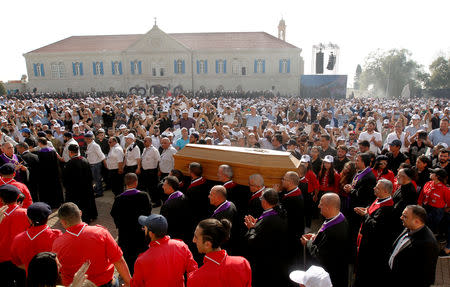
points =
(179, 218)
(254, 207)
(376, 238)
(32, 161)
(199, 201)
(231, 213)
(330, 249)
(415, 263)
(267, 252)
(404, 195)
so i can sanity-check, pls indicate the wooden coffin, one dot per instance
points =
(272, 165)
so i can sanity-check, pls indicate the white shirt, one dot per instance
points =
(155, 141)
(365, 136)
(115, 156)
(94, 153)
(65, 154)
(167, 162)
(132, 154)
(150, 158)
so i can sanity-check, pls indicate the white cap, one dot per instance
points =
(386, 121)
(328, 158)
(225, 142)
(415, 117)
(328, 127)
(443, 144)
(315, 276)
(130, 136)
(74, 126)
(185, 112)
(305, 158)
(101, 130)
(436, 111)
(122, 127)
(56, 126)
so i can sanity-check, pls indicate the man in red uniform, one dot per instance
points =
(7, 174)
(166, 260)
(81, 243)
(37, 238)
(14, 220)
(219, 269)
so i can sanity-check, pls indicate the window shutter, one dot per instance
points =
(112, 67)
(264, 66)
(93, 68)
(217, 66)
(74, 70)
(101, 68)
(224, 66)
(206, 66)
(175, 67)
(288, 66)
(280, 67)
(183, 67)
(35, 70)
(120, 68)
(81, 69)
(42, 70)
(198, 67)
(256, 66)
(140, 67)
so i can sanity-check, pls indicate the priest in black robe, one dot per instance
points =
(126, 209)
(49, 183)
(266, 243)
(78, 182)
(256, 186)
(32, 161)
(197, 193)
(330, 246)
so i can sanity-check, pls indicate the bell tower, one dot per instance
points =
(282, 30)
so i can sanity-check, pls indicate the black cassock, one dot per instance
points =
(77, 179)
(49, 183)
(179, 218)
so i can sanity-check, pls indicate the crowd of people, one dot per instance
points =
(373, 170)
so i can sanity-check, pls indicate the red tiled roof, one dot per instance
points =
(195, 41)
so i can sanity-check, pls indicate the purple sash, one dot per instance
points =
(46, 149)
(174, 195)
(332, 222)
(360, 175)
(223, 207)
(269, 213)
(130, 192)
(14, 160)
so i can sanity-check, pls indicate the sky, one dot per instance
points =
(357, 27)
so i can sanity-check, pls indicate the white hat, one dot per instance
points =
(315, 276)
(56, 126)
(130, 136)
(74, 126)
(122, 127)
(185, 112)
(305, 158)
(328, 127)
(415, 117)
(436, 111)
(101, 130)
(386, 121)
(443, 144)
(328, 158)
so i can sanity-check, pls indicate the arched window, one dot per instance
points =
(98, 68)
(179, 66)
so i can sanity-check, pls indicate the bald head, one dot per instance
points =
(330, 205)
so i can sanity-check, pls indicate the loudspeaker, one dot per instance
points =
(319, 62)
(331, 62)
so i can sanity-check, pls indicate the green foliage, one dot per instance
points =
(389, 71)
(2, 89)
(440, 74)
(356, 84)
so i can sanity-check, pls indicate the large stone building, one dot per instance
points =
(245, 61)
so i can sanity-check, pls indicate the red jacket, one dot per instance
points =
(389, 175)
(435, 195)
(34, 240)
(221, 270)
(325, 186)
(82, 242)
(22, 187)
(313, 183)
(15, 222)
(163, 264)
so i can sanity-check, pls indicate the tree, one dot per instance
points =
(389, 71)
(440, 74)
(358, 72)
(2, 89)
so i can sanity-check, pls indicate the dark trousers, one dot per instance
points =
(149, 179)
(11, 275)
(434, 217)
(116, 181)
(308, 203)
(129, 169)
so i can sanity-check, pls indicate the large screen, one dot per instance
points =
(323, 86)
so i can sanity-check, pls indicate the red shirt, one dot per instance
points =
(219, 269)
(82, 242)
(14, 222)
(163, 264)
(313, 183)
(389, 175)
(22, 187)
(435, 195)
(326, 186)
(34, 240)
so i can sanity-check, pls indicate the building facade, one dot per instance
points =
(247, 61)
